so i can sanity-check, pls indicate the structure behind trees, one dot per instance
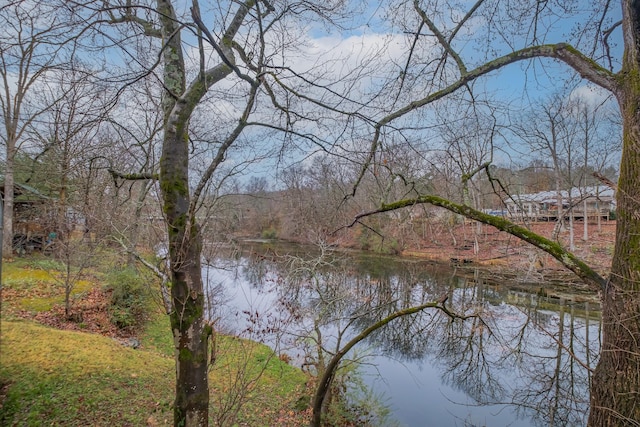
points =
(592, 203)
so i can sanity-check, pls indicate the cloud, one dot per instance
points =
(591, 95)
(354, 50)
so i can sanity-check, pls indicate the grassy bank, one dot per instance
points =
(55, 377)
(59, 377)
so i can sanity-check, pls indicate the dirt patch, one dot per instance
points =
(89, 313)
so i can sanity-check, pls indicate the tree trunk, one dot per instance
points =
(190, 332)
(572, 217)
(7, 208)
(559, 209)
(585, 218)
(615, 394)
(137, 220)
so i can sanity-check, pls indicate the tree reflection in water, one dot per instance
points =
(526, 351)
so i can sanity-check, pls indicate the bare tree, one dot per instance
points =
(228, 77)
(547, 131)
(442, 63)
(33, 43)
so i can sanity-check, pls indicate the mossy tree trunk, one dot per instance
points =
(189, 327)
(191, 406)
(615, 394)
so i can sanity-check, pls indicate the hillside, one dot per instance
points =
(85, 372)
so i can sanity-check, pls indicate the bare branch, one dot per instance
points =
(587, 68)
(605, 41)
(327, 376)
(164, 278)
(224, 49)
(566, 258)
(222, 151)
(147, 26)
(443, 41)
(562, 51)
(132, 176)
(606, 181)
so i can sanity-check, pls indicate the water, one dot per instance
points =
(519, 359)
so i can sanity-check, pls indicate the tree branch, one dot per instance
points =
(329, 372)
(441, 39)
(605, 181)
(586, 67)
(132, 176)
(224, 49)
(566, 258)
(165, 280)
(147, 26)
(222, 151)
(605, 41)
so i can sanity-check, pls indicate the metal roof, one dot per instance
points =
(602, 192)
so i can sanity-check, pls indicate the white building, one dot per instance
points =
(593, 202)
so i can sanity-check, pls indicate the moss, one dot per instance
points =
(38, 290)
(190, 311)
(21, 278)
(207, 331)
(592, 63)
(175, 192)
(39, 304)
(185, 355)
(73, 379)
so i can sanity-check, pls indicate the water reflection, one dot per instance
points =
(525, 360)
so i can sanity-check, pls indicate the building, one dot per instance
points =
(32, 216)
(594, 203)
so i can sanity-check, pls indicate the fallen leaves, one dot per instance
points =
(89, 314)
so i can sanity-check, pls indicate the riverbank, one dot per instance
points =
(481, 245)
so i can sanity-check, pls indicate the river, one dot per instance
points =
(519, 359)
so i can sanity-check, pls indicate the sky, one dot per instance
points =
(372, 45)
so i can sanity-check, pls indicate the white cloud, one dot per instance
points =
(356, 49)
(591, 95)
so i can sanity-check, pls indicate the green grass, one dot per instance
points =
(242, 367)
(70, 378)
(55, 377)
(65, 378)
(37, 283)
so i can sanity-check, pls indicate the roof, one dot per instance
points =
(26, 192)
(601, 192)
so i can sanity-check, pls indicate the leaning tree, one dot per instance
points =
(449, 50)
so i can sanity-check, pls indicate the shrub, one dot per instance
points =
(269, 233)
(128, 297)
